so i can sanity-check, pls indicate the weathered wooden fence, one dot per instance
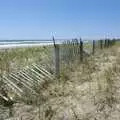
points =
(76, 49)
(25, 80)
(65, 52)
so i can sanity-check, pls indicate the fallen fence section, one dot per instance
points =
(26, 79)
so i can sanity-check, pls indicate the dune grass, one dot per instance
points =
(85, 91)
(13, 59)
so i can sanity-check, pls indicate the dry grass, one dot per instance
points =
(88, 91)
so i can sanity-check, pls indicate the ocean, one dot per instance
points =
(23, 43)
(4, 44)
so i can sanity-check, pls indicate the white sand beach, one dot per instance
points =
(9, 46)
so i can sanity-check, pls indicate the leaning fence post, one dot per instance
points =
(93, 47)
(57, 59)
(81, 50)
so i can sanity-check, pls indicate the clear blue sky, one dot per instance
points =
(34, 19)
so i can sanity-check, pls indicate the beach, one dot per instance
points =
(10, 46)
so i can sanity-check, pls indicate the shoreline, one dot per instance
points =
(11, 46)
(25, 45)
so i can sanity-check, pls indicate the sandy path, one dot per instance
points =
(82, 101)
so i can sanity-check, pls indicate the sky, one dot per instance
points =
(42, 19)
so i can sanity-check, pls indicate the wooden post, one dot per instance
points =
(93, 47)
(57, 59)
(81, 50)
(77, 48)
(101, 44)
(105, 43)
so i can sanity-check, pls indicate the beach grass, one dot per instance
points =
(84, 90)
(17, 58)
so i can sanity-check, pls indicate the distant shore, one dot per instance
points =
(10, 46)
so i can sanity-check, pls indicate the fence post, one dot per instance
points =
(93, 47)
(57, 59)
(105, 43)
(81, 50)
(101, 44)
